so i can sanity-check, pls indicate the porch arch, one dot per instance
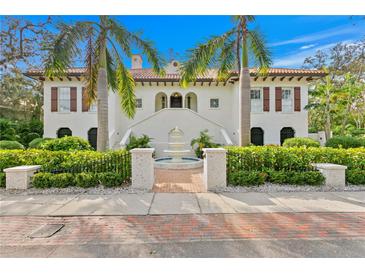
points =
(160, 101)
(191, 101)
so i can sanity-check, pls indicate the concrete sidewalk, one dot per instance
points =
(180, 203)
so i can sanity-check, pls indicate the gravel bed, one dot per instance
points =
(269, 187)
(100, 190)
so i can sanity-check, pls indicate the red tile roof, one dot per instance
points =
(148, 74)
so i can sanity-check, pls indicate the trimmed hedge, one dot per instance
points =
(67, 143)
(2, 179)
(35, 143)
(5, 144)
(345, 142)
(355, 177)
(84, 180)
(300, 142)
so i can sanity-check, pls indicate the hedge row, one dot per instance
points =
(2, 179)
(292, 158)
(85, 180)
(251, 178)
(51, 160)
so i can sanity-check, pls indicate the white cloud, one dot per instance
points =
(308, 46)
(345, 29)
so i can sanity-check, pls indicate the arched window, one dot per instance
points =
(285, 133)
(160, 101)
(176, 100)
(92, 136)
(191, 101)
(257, 136)
(64, 131)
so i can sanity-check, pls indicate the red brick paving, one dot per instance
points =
(182, 228)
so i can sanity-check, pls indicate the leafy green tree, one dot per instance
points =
(230, 51)
(106, 41)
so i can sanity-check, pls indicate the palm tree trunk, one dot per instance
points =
(244, 89)
(102, 108)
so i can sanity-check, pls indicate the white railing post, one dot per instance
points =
(143, 175)
(214, 174)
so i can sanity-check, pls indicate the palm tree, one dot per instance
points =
(103, 41)
(230, 51)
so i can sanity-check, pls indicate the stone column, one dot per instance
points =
(334, 174)
(143, 175)
(19, 177)
(214, 168)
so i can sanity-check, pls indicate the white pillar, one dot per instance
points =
(335, 174)
(214, 167)
(143, 175)
(19, 177)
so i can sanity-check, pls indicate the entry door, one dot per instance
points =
(176, 102)
(92, 137)
(257, 136)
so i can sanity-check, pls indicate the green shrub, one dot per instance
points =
(67, 143)
(203, 141)
(35, 143)
(2, 179)
(110, 179)
(300, 142)
(86, 180)
(5, 144)
(42, 180)
(345, 142)
(247, 178)
(30, 137)
(139, 142)
(63, 180)
(355, 177)
(296, 178)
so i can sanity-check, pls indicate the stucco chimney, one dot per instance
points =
(136, 61)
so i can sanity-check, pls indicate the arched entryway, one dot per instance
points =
(285, 133)
(176, 100)
(257, 136)
(191, 101)
(160, 101)
(92, 136)
(64, 131)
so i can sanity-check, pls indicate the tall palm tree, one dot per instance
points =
(105, 41)
(230, 51)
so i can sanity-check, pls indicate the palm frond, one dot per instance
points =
(202, 57)
(261, 53)
(125, 90)
(227, 59)
(92, 66)
(64, 49)
(121, 36)
(111, 73)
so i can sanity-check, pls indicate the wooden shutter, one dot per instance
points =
(266, 99)
(85, 105)
(73, 99)
(278, 94)
(297, 106)
(54, 99)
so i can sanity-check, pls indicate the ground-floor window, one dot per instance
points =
(257, 136)
(285, 133)
(92, 136)
(64, 131)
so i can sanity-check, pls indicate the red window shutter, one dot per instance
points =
(278, 94)
(85, 104)
(54, 99)
(297, 106)
(73, 99)
(266, 99)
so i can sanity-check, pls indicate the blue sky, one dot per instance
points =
(291, 38)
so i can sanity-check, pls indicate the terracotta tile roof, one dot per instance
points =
(147, 74)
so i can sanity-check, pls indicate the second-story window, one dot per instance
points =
(138, 103)
(287, 100)
(64, 99)
(256, 100)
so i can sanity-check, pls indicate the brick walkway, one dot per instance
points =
(188, 180)
(182, 228)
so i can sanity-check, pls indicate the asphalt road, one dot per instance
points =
(293, 248)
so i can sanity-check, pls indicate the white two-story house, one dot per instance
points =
(277, 106)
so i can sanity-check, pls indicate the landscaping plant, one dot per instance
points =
(203, 141)
(300, 142)
(345, 142)
(139, 142)
(10, 145)
(67, 143)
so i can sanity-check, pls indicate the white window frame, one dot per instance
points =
(260, 101)
(284, 107)
(141, 105)
(210, 103)
(59, 91)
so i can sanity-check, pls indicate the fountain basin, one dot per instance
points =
(181, 163)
